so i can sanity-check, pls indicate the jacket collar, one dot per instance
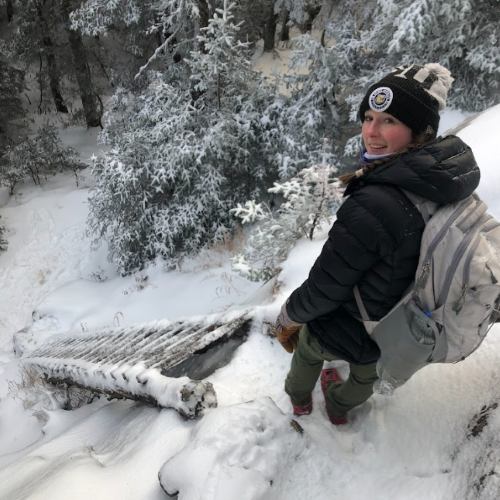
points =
(443, 171)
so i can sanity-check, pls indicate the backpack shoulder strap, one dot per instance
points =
(360, 304)
(426, 207)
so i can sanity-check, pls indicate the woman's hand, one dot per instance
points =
(287, 331)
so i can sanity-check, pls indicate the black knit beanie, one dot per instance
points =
(412, 94)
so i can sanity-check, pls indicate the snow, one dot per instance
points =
(413, 445)
(480, 135)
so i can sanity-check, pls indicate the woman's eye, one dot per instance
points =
(368, 119)
(389, 120)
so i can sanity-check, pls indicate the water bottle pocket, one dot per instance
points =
(423, 329)
(406, 339)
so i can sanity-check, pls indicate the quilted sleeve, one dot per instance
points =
(359, 238)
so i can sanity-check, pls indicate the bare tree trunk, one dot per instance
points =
(10, 10)
(55, 87)
(285, 29)
(270, 29)
(90, 100)
(40, 83)
(159, 40)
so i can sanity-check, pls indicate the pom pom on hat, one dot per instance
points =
(440, 87)
(412, 94)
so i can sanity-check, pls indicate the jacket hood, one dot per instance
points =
(443, 171)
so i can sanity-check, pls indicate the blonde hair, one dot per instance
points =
(417, 143)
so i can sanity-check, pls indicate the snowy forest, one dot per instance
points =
(169, 173)
(189, 128)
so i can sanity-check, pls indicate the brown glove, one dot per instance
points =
(287, 331)
(289, 337)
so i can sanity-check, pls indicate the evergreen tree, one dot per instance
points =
(461, 35)
(300, 12)
(11, 109)
(92, 105)
(37, 158)
(312, 112)
(133, 25)
(41, 36)
(311, 199)
(183, 153)
(95, 17)
(3, 241)
(35, 35)
(174, 23)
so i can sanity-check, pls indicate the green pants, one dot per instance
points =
(307, 363)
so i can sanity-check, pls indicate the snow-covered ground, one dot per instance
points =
(413, 445)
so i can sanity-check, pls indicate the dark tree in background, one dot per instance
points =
(36, 41)
(42, 39)
(269, 34)
(11, 109)
(91, 102)
(10, 10)
(48, 51)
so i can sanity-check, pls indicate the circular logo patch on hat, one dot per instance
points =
(380, 99)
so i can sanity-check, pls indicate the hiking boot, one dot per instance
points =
(328, 376)
(337, 420)
(304, 407)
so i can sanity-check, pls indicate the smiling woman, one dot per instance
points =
(373, 248)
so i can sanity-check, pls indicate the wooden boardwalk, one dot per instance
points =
(152, 362)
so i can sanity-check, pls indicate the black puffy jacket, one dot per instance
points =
(375, 243)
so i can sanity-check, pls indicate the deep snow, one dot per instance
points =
(413, 445)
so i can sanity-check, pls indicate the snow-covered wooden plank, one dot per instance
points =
(151, 362)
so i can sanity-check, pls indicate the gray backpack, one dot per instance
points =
(448, 310)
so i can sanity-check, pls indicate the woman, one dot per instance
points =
(375, 240)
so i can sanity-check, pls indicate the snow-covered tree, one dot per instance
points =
(11, 109)
(301, 12)
(35, 39)
(312, 112)
(91, 102)
(35, 34)
(42, 40)
(183, 153)
(131, 25)
(3, 241)
(311, 198)
(175, 24)
(461, 35)
(95, 17)
(37, 158)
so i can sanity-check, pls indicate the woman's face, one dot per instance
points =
(384, 134)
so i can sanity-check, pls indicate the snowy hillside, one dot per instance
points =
(424, 442)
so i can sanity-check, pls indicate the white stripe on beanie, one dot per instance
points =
(439, 88)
